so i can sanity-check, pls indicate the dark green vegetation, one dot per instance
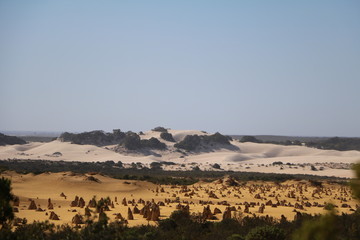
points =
(38, 138)
(6, 211)
(278, 138)
(167, 136)
(189, 143)
(355, 183)
(250, 139)
(153, 174)
(97, 137)
(256, 140)
(129, 140)
(160, 129)
(132, 141)
(193, 142)
(10, 140)
(335, 143)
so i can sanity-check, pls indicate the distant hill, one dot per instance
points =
(31, 133)
(34, 136)
(10, 140)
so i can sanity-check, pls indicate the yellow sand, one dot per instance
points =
(50, 185)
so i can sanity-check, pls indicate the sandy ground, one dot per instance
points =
(218, 194)
(250, 157)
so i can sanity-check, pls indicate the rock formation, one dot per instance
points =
(32, 205)
(50, 204)
(77, 219)
(130, 214)
(227, 213)
(53, 216)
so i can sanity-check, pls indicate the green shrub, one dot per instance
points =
(216, 166)
(153, 143)
(132, 141)
(216, 138)
(337, 143)
(167, 136)
(192, 142)
(97, 137)
(265, 233)
(278, 163)
(155, 165)
(189, 143)
(159, 129)
(6, 211)
(250, 139)
(235, 237)
(10, 140)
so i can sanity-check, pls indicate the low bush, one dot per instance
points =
(159, 129)
(167, 136)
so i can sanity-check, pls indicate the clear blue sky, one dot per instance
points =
(238, 67)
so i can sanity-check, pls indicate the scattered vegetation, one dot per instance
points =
(129, 140)
(6, 210)
(38, 138)
(140, 172)
(97, 137)
(10, 140)
(278, 163)
(216, 138)
(167, 136)
(155, 165)
(189, 143)
(133, 142)
(216, 166)
(160, 129)
(266, 232)
(313, 168)
(192, 142)
(337, 143)
(250, 139)
(153, 143)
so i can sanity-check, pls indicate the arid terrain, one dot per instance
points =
(72, 198)
(68, 194)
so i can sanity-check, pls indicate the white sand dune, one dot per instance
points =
(70, 152)
(243, 157)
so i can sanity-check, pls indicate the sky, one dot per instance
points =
(237, 67)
